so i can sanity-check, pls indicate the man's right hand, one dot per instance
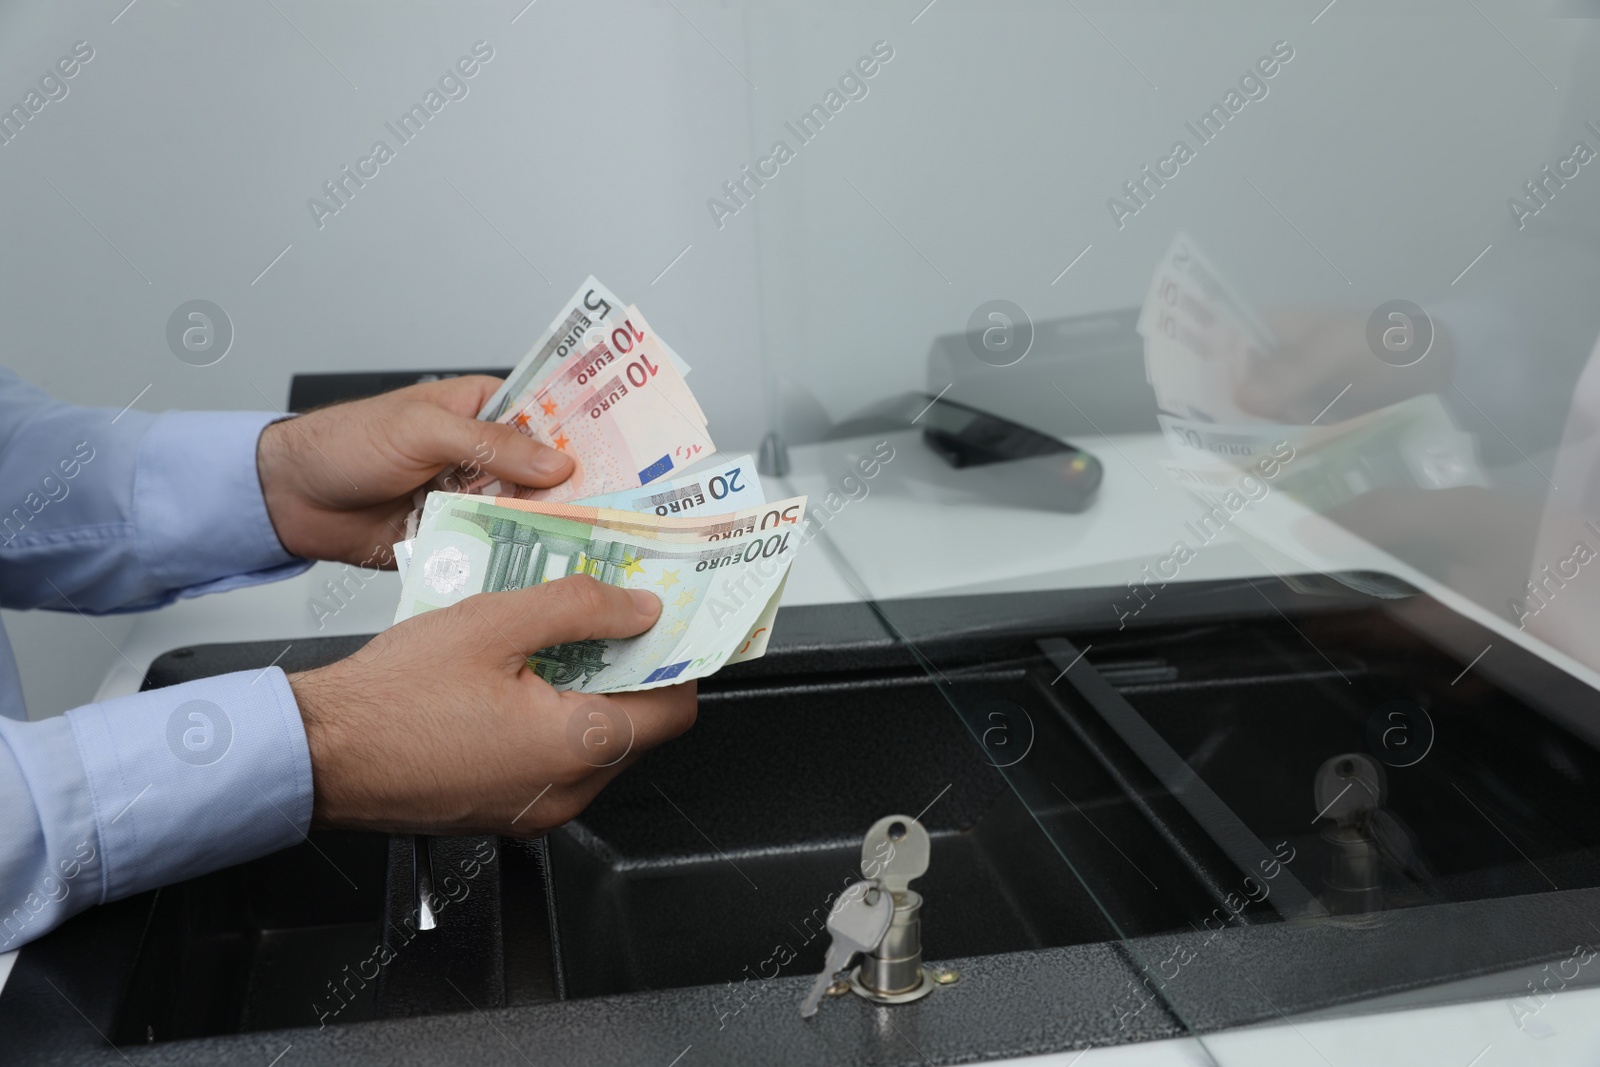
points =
(439, 726)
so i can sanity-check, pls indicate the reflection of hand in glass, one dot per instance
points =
(1474, 540)
(1322, 352)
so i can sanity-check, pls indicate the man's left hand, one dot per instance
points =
(339, 481)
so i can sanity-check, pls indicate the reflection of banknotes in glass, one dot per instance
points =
(712, 594)
(1200, 338)
(1185, 264)
(1414, 444)
(1192, 384)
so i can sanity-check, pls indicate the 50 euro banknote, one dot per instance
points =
(716, 585)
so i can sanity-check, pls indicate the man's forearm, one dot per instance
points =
(122, 796)
(104, 511)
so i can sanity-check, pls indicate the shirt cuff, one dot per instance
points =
(190, 778)
(198, 509)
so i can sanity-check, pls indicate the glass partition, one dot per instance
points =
(1204, 402)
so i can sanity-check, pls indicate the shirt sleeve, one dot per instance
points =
(110, 511)
(122, 796)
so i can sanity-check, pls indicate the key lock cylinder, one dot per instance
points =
(881, 918)
(1349, 792)
(1374, 860)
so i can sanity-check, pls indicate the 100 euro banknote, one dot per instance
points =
(754, 520)
(713, 594)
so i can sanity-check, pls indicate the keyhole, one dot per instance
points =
(897, 830)
(1346, 768)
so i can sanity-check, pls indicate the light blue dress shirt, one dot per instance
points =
(101, 513)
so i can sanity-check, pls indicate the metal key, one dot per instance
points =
(1349, 791)
(1347, 788)
(857, 923)
(895, 852)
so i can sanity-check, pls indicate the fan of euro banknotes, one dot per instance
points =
(649, 505)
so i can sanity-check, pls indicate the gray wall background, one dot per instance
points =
(978, 166)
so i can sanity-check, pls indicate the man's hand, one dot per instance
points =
(439, 726)
(338, 481)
